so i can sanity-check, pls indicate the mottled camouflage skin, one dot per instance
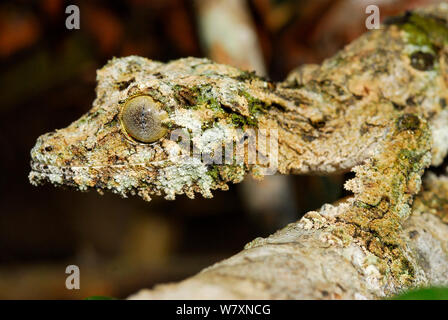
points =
(378, 107)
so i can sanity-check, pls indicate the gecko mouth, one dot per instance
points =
(165, 178)
(42, 173)
(83, 177)
(119, 179)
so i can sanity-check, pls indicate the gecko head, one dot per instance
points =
(154, 129)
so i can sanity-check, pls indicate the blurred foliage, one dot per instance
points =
(100, 298)
(431, 293)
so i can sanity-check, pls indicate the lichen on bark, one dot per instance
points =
(378, 107)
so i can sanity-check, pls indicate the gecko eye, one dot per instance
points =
(142, 117)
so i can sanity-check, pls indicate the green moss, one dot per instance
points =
(425, 31)
(409, 161)
(238, 120)
(416, 36)
(256, 106)
(210, 101)
(246, 75)
(407, 155)
(232, 172)
(397, 185)
(435, 29)
(345, 234)
(203, 95)
(432, 293)
(156, 95)
(229, 173)
(197, 96)
(100, 298)
(364, 205)
(241, 121)
(403, 269)
(213, 171)
(169, 125)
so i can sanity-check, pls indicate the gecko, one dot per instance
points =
(378, 108)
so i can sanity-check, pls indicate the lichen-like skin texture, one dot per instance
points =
(378, 107)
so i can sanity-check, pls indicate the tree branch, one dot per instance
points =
(305, 260)
(367, 246)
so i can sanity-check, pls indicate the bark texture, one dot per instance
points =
(305, 260)
(320, 258)
(229, 36)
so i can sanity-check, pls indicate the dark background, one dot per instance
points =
(47, 80)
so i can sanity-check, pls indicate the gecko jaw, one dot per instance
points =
(166, 179)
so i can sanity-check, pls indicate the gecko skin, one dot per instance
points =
(378, 107)
(329, 118)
